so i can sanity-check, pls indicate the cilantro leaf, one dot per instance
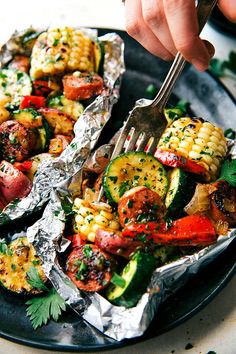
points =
(34, 279)
(216, 67)
(42, 309)
(228, 172)
(183, 105)
(224, 68)
(230, 64)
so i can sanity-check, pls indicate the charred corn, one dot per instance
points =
(89, 217)
(59, 50)
(197, 140)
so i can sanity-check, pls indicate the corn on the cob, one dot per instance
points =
(197, 140)
(59, 50)
(89, 217)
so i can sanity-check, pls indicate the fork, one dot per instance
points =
(146, 122)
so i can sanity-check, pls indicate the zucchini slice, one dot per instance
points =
(45, 134)
(180, 191)
(31, 119)
(135, 278)
(28, 117)
(15, 84)
(73, 108)
(99, 53)
(16, 259)
(132, 169)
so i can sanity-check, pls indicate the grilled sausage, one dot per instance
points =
(15, 141)
(140, 204)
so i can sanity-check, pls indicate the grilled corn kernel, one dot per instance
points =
(197, 140)
(85, 230)
(91, 217)
(79, 219)
(84, 211)
(101, 220)
(91, 237)
(114, 225)
(59, 50)
(78, 202)
(106, 215)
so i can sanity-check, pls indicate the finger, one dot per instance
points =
(154, 18)
(228, 7)
(136, 28)
(182, 20)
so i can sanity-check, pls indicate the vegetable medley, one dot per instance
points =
(156, 208)
(41, 98)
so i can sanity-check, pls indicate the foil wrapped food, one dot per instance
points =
(116, 322)
(87, 129)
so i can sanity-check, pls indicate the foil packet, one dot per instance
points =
(116, 322)
(87, 129)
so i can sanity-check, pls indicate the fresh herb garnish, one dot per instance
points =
(113, 178)
(230, 133)
(118, 280)
(151, 91)
(87, 251)
(183, 105)
(42, 308)
(123, 188)
(4, 249)
(34, 279)
(224, 68)
(228, 172)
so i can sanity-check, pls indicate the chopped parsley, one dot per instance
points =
(118, 280)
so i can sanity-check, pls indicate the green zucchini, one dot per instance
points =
(99, 54)
(28, 117)
(134, 280)
(132, 169)
(180, 191)
(73, 108)
(16, 259)
(45, 134)
(15, 84)
(31, 119)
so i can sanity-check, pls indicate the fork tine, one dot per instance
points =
(152, 146)
(143, 142)
(121, 140)
(133, 139)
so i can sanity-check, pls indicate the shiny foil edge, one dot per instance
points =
(87, 129)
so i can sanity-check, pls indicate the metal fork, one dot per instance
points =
(146, 123)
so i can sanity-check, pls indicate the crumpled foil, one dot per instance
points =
(116, 322)
(87, 129)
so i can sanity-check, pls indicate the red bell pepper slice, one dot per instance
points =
(23, 166)
(78, 240)
(192, 230)
(148, 228)
(174, 160)
(32, 102)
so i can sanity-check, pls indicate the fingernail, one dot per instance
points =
(200, 65)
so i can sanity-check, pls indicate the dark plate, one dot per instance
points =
(208, 99)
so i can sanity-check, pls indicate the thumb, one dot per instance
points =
(228, 7)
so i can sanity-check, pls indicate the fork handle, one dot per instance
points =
(204, 10)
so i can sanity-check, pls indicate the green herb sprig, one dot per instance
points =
(42, 308)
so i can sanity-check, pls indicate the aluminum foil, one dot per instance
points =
(87, 129)
(114, 321)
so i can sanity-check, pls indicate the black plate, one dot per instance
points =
(208, 99)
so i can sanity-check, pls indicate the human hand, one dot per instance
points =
(164, 27)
